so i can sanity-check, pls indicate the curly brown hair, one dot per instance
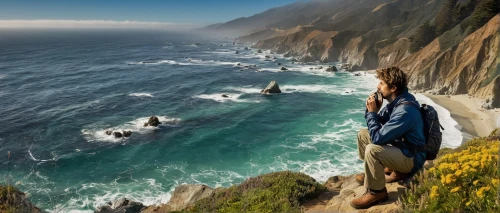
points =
(393, 77)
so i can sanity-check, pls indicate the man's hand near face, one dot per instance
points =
(371, 104)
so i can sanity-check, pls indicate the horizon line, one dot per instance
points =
(100, 24)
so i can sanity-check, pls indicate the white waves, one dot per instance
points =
(329, 89)
(337, 154)
(225, 97)
(140, 94)
(452, 137)
(94, 132)
(41, 160)
(153, 62)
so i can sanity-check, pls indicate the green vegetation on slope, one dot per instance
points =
(274, 192)
(424, 35)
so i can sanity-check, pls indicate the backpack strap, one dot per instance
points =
(411, 103)
(413, 148)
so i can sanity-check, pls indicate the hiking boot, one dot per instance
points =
(370, 198)
(388, 171)
(360, 178)
(395, 177)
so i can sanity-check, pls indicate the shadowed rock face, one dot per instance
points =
(121, 205)
(468, 67)
(12, 199)
(271, 88)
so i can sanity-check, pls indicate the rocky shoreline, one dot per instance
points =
(340, 190)
(453, 63)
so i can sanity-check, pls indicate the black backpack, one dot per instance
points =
(432, 131)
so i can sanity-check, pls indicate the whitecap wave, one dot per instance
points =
(41, 160)
(141, 94)
(97, 133)
(153, 194)
(341, 160)
(223, 178)
(234, 97)
(304, 69)
(198, 62)
(329, 89)
(153, 62)
(245, 89)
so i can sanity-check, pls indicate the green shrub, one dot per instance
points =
(274, 192)
(483, 12)
(424, 35)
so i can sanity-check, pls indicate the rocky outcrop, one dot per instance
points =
(124, 133)
(13, 200)
(309, 44)
(127, 133)
(184, 196)
(121, 205)
(271, 88)
(331, 69)
(153, 121)
(341, 190)
(394, 53)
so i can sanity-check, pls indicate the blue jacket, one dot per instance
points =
(395, 122)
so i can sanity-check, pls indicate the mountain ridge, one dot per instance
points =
(381, 33)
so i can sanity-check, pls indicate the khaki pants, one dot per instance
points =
(376, 157)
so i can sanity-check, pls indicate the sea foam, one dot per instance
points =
(94, 132)
(452, 136)
(141, 94)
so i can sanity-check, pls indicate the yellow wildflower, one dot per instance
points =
(475, 182)
(479, 193)
(476, 163)
(455, 189)
(450, 178)
(433, 195)
(458, 173)
(494, 181)
(432, 169)
(468, 203)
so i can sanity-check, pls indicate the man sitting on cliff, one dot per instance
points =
(390, 134)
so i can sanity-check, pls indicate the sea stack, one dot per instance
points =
(153, 121)
(271, 88)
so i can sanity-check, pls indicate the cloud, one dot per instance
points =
(101, 24)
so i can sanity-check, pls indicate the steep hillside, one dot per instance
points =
(245, 25)
(447, 46)
(469, 67)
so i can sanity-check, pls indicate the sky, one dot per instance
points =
(128, 13)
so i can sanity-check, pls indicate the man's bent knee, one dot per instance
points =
(363, 132)
(372, 149)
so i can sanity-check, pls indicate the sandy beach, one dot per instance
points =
(468, 113)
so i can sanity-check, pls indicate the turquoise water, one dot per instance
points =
(60, 90)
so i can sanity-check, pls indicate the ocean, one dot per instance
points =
(60, 90)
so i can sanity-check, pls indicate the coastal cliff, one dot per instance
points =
(469, 67)
(447, 47)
